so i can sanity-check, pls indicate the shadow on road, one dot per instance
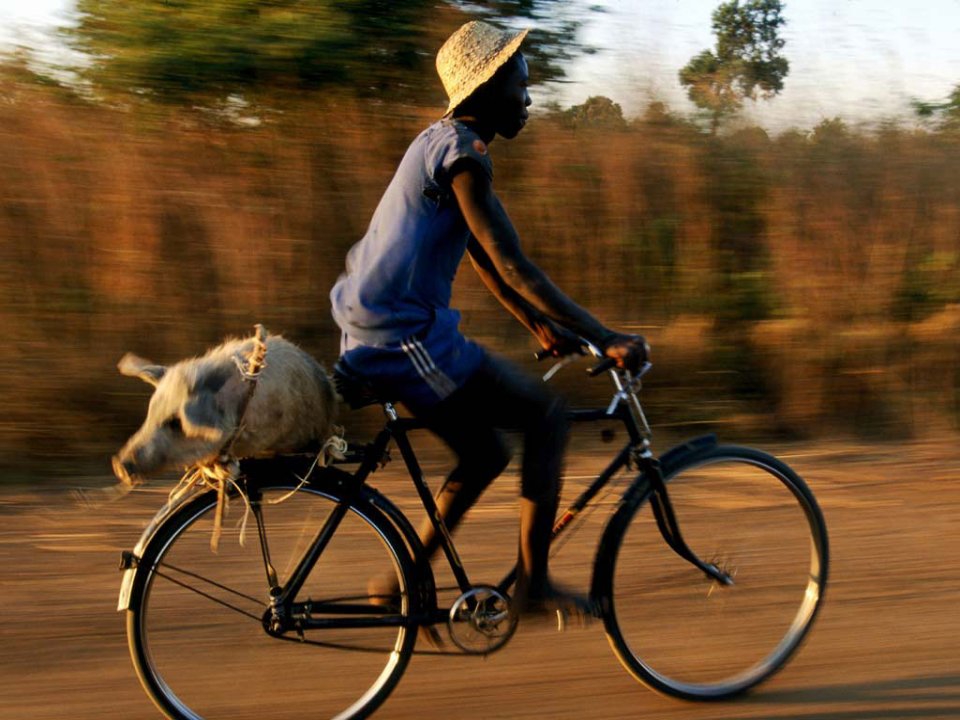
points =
(876, 700)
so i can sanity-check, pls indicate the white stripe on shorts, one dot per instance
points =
(438, 381)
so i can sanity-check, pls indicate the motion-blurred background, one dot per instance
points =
(172, 172)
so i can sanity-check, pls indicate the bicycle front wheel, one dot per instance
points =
(689, 636)
(198, 625)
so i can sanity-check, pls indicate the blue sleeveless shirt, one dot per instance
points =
(393, 302)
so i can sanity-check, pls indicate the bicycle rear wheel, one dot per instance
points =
(196, 619)
(686, 635)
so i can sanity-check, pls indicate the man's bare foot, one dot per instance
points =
(554, 599)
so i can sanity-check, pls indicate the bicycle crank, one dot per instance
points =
(482, 620)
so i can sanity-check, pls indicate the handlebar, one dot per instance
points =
(602, 367)
(587, 348)
(605, 364)
(626, 383)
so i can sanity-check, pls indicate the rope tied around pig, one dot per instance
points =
(221, 474)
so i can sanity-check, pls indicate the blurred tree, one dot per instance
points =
(201, 52)
(746, 62)
(947, 112)
(657, 113)
(597, 112)
(171, 50)
(831, 131)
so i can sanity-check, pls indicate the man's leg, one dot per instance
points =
(481, 457)
(499, 395)
(542, 418)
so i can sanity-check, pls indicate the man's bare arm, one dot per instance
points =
(496, 236)
(552, 337)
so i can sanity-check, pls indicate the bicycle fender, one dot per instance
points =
(129, 559)
(678, 454)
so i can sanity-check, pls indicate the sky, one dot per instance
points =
(860, 60)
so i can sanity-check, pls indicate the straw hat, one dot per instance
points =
(471, 56)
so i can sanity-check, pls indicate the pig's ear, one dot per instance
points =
(134, 366)
(201, 418)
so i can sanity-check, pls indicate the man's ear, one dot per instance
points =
(200, 417)
(133, 366)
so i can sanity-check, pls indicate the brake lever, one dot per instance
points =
(558, 366)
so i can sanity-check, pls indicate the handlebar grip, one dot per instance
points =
(540, 355)
(601, 367)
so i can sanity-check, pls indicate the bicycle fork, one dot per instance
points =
(666, 518)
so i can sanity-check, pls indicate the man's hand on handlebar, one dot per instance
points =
(557, 341)
(629, 351)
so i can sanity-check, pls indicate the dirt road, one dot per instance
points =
(887, 644)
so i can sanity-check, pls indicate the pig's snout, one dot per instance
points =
(126, 471)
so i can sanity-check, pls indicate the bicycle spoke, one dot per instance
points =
(201, 578)
(210, 597)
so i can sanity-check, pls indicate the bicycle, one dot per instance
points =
(239, 633)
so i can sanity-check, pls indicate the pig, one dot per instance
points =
(196, 404)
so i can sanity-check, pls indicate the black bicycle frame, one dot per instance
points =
(636, 453)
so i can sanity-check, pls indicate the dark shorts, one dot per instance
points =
(419, 371)
(499, 397)
(468, 396)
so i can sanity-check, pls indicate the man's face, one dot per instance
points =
(513, 100)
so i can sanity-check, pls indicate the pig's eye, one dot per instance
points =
(173, 424)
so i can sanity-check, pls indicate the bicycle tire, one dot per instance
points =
(752, 515)
(197, 658)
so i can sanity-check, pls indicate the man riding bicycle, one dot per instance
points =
(402, 337)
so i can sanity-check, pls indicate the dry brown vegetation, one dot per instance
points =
(799, 284)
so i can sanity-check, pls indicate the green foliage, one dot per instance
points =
(746, 62)
(831, 132)
(929, 284)
(737, 194)
(175, 50)
(946, 114)
(597, 112)
(201, 52)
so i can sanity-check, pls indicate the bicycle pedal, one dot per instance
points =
(567, 620)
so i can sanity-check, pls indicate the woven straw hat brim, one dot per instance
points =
(462, 73)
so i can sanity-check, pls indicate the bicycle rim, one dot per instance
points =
(195, 628)
(687, 635)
